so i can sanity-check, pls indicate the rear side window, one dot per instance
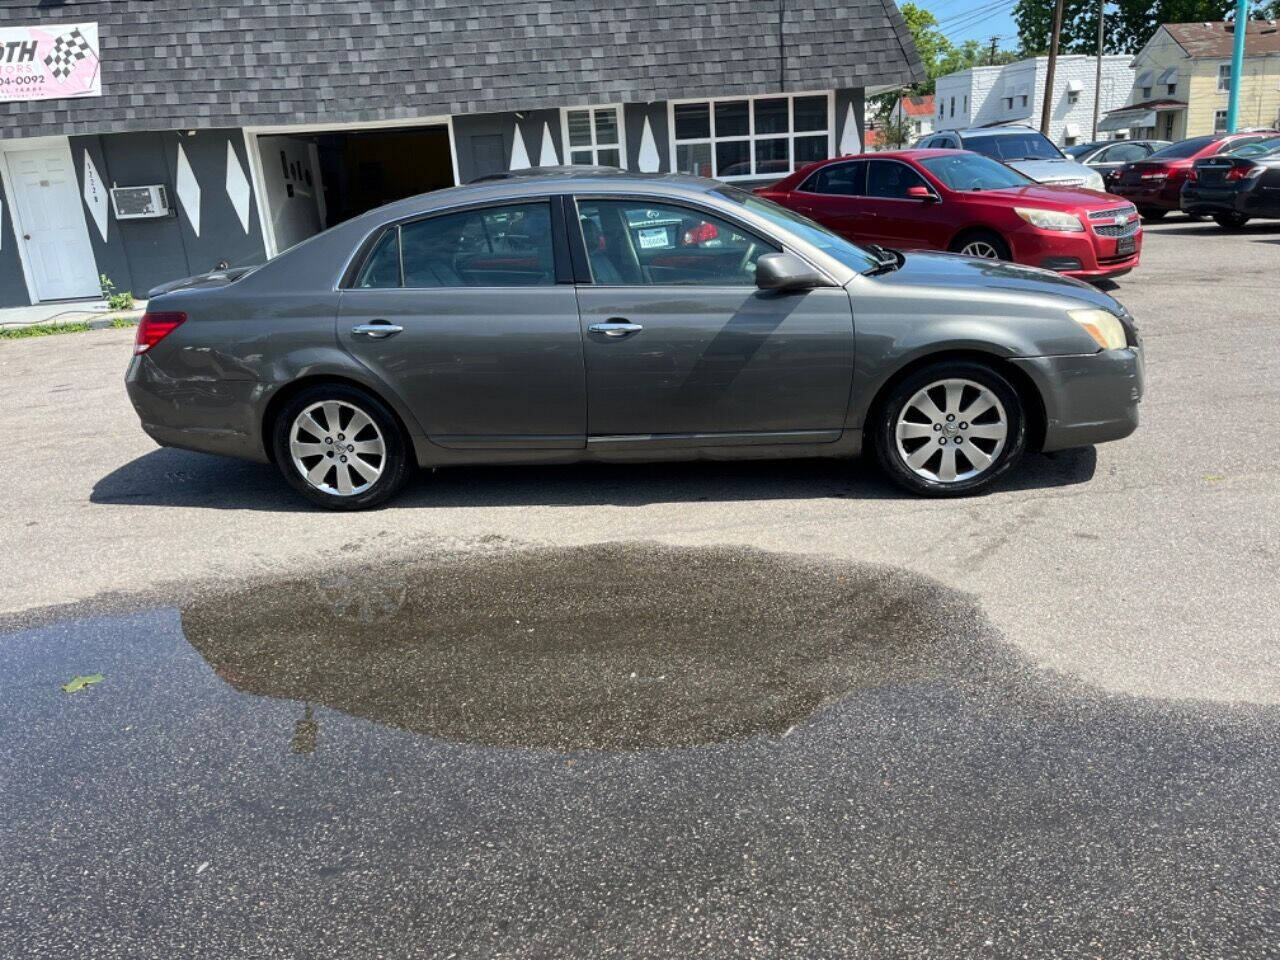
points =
(503, 246)
(1124, 153)
(840, 179)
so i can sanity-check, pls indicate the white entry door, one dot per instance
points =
(50, 224)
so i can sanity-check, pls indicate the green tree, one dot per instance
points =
(1129, 23)
(938, 55)
(894, 132)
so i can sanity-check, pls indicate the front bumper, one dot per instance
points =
(1085, 256)
(1088, 398)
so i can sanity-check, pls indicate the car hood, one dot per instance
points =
(1056, 198)
(1047, 171)
(972, 276)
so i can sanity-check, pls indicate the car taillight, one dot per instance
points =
(702, 233)
(154, 327)
(1160, 173)
(1244, 173)
(1193, 175)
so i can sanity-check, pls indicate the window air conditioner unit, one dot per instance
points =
(140, 203)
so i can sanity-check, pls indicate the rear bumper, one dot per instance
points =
(1210, 200)
(207, 415)
(1089, 398)
(1157, 195)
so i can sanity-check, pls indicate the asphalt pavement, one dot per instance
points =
(661, 710)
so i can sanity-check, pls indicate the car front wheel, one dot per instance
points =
(950, 429)
(340, 447)
(983, 244)
(1230, 221)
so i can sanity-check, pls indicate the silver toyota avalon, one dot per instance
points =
(589, 314)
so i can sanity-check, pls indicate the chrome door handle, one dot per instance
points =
(377, 331)
(616, 328)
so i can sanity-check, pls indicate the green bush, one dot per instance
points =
(115, 301)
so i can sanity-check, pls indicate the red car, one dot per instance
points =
(966, 203)
(1154, 185)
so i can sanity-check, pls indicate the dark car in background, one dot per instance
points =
(966, 203)
(587, 314)
(1108, 157)
(1236, 187)
(1154, 185)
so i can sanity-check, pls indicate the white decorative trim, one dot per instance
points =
(1, 224)
(648, 161)
(519, 155)
(238, 187)
(548, 158)
(95, 196)
(188, 190)
(850, 142)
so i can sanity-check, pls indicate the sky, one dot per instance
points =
(980, 20)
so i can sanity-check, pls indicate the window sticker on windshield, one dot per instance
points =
(652, 238)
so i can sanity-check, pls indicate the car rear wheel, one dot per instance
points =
(950, 429)
(983, 244)
(1151, 213)
(340, 447)
(1230, 221)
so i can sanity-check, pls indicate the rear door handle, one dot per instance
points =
(376, 331)
(616, 328)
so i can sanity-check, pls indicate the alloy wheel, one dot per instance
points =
(980, 248)
(951, 430)
(337, 448)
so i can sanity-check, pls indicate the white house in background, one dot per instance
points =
(1014, 92)
(917, 112)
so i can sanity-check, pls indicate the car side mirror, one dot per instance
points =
(921, 193)
(786, 272)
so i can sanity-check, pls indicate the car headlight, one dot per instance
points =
(1050, 219)
(1103, 325)
(1094, 182)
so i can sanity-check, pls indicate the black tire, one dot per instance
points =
(990, 237)
(1230, 221)
(393, 464)
(1151, 213)
(883, 429)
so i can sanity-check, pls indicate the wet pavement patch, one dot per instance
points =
(673, 753)
(602, 647)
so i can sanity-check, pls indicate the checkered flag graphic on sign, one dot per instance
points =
(68, 50)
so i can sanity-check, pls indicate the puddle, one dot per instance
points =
(603, 647)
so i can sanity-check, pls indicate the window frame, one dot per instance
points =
(1223, 115)
(578, 245)
(561, 266)
(750, 137)
(596, 146)
(1227, 76)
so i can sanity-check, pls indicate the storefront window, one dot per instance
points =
(751, 137)
(594, 136)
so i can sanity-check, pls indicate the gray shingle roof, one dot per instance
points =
(170, 64)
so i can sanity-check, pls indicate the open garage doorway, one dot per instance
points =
(314, 179)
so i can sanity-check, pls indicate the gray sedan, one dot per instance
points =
(571, 315)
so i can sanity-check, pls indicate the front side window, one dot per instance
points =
(755, 137)
(594, 136)
(890, 180)
(838, 179)
(829, 242)
(643, 242)
(503, 246)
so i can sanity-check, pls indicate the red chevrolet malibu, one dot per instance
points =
(966, 203)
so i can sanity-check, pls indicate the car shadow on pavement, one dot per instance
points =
(177, 478)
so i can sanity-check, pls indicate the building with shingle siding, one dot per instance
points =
(152, 140)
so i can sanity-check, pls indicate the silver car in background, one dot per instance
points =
(1025, 149)
(588, 314)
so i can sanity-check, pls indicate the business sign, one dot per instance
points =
(49, 63)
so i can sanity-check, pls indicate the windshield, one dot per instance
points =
(1183, 148)
(1030, 145)
(832, 244)
(1080, 149)
(972, 171)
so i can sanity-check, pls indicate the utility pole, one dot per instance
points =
(995, 45)
(1097, 76)
(1237, 65)
(1053, 63)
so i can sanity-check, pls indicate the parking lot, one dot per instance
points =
(1041, 722)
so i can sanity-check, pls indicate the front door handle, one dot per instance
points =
(376, 331)
(616, 328)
